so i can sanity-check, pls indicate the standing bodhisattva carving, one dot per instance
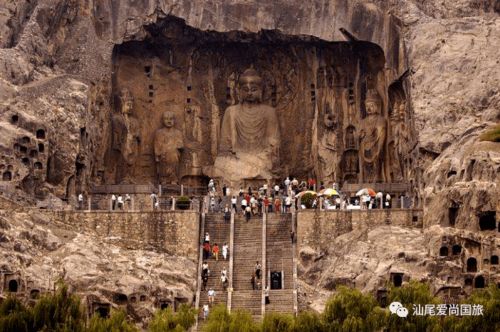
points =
(372, 139)
(168, 146)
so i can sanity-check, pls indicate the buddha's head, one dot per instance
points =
(250, 86)
(373, 103)
(168, 119)
(127, 101)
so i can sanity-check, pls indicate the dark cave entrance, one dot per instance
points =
(13, 286)
(487, 220)
(471, 264)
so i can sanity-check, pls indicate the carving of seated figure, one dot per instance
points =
(168, 145)
(250, 135)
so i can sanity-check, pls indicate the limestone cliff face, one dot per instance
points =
(55, 76)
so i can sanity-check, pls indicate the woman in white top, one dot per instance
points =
(225, 250)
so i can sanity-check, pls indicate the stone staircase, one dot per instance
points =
(279, 256)
(247, 251)
(219, 233)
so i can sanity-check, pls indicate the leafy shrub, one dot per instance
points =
(492, 134)
(117, 322)
(182, 203)
(307, 200)
(167, 321)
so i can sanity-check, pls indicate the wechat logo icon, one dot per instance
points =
(398, 309)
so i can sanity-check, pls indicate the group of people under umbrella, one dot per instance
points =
(331, 199)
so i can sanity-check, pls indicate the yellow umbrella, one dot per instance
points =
(329, 192)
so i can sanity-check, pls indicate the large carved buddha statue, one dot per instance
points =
(373, 134)
(249, 136)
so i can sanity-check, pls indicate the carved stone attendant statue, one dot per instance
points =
(126, 135)
(372, 135)
(249, 136)
(168, 146)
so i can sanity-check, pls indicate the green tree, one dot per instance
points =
(220, 320)
(14, 316)
(413, 294)
(167, 320)
(59, 312)
(308, 321)
(489, 298)
(276, 322)
(117, 322)
(351, 310)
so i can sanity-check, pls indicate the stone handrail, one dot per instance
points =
(264, 265)
(231, 263)
(200, 263)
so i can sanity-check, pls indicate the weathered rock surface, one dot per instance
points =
(43, 251)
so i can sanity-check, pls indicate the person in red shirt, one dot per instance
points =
(206, 250)
(215, 251)
(277, 205)
(266, 204)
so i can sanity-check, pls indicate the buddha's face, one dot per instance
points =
(250, 90)
(371, 107)
(128, 105)
(168, 119)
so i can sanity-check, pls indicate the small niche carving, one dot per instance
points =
(494, 260)
(397, 279)
(41, 147)
(26, 140)
(40, 134)
(479, 282)
(34, 153)
(7, 176)
(14, 119)
(13, 286)
(456, 249)
(443, 251)
(471, 264)
(38, 165)
(487, 220)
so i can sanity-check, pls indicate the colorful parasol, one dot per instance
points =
(366, 191)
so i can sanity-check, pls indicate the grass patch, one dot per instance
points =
(492, 134)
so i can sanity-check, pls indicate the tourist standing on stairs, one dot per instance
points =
(207, 237)
(266, 204)
(227, 214)
(244, 204)
(266, 294)
(252, 281)
(206, 310)
(204, 278)
(277, 205)
(113, 201)
(248, 213)
(215, 251)
(206, 250)
(211, 296)
(258, 268)
(204, 269)
(225, 250)
(234, 201)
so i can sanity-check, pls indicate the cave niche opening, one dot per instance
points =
(487, 220)
(471, 264)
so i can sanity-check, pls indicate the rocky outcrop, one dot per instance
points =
(38, 252)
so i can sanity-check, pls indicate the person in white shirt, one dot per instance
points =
(234, 201)
(276, 190)
(288, 203)
(206, 310)
(113, 201)
(244, 204)
(120, 202)
(80, 201)
(287, 184)
(225, 249)
(211, 296)
(207, 237)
